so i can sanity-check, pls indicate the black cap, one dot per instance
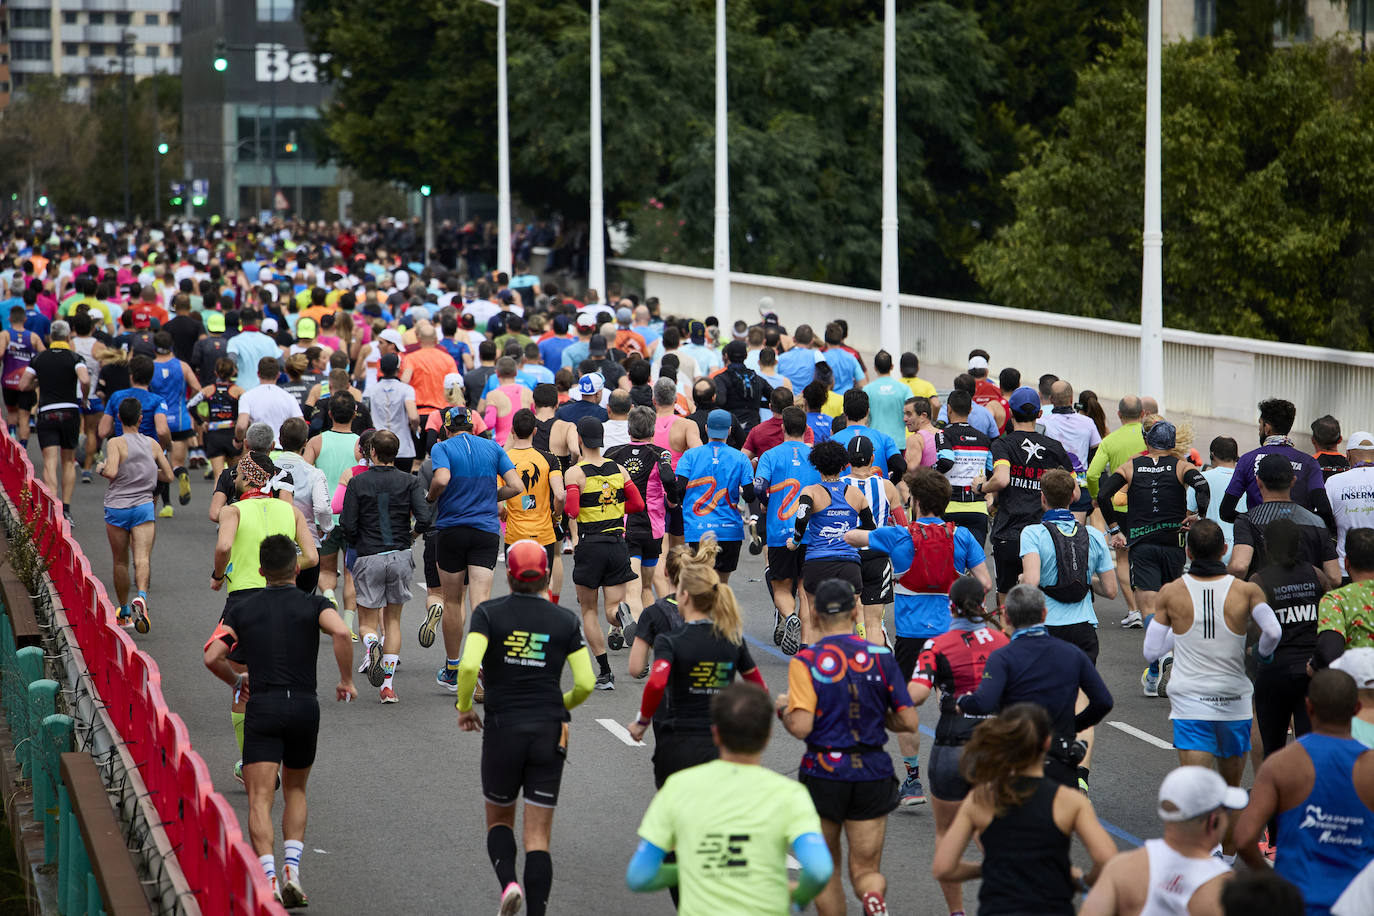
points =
(860, 450)
(597, 344)
(834, 596)
(736, 351)
(591, 432)
(1275, 472)
(390, 364)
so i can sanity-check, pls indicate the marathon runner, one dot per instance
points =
(531, 514)
(1309, 488)
(826, 512)
(332, 451)
(63, 382)
(782, 473)
(714, 478)
(1275, 478)
(1351, 492)
(1118, 448)
(651, 468)
(90, 349)
(964, 457)
(172, 378)
(221, 412)
(876, 569)
(19, 346)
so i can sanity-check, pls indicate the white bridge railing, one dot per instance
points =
(1205, 375)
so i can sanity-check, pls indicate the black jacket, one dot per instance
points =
(378, 506)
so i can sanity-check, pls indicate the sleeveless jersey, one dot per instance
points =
(299, 389)
(84, 347)
(169, 383)
(1209, 680)
(1174, 877)
(872, 488)
(501, 432)
(259, 519)
(335, 457)
(985, 393)
(662, 438)
(827, 527)
(223, 408)
(18, 355)
(542, 429)
(1156, 501)
(602, 501)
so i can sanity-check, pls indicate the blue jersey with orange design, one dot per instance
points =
(715, 473)
(782, 473)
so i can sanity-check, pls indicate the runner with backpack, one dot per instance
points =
(928, 556)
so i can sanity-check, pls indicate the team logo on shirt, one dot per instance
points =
(787, 502)
(706, 503)
(1033, 450)
(525, 648)
(1335, 829)
(721, 850)
(830, 665)
(709, 677)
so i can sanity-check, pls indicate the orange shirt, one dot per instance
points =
(316, 312)
(428, 366)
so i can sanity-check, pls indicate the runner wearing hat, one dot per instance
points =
(522, 641)
(713, 479)
(393, 407)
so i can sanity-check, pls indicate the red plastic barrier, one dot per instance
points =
(250, 893)
(219, 830)
(161, 775)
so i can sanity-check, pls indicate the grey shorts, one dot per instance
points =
(383, 579)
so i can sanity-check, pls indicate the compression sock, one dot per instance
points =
(538, 881)
(452, 664)
(1083, 775)
(501, 850)
(292, 866)
(164, 490)
(389, 668)
(328, 595)
(604, 663)
(269, 865)
(913, 765)
(237, 719)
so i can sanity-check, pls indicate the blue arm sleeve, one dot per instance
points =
(816, 866)
(987, 699)
(646, 871)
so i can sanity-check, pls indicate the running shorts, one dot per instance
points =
(1006, 555)
(814, 572)
(785, 565)
(727, 558)
(839, 800)
(645, 549)
(432, 580)
(93, 406)
(674, 752)
(184, 435)
(129, 519)
(942, 773)
(674, 515)
(1083, 635)
(307, 580)
(20, 400)
(522, 756)
(383, 579)
(601, 561)
(60, 428)
(219, 443)
(1220, 739)
(975, 522)
(907, 651)
(876, 570)
(461, 547)
(333, 541)
(1155, 565)
(281, 726)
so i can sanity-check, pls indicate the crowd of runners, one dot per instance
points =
(348, 404)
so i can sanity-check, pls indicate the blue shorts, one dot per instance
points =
(95, 405)
(1220, 739)
(129, 519)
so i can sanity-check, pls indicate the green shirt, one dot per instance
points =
(731, 825)
(1349, 610)
(1117, 448)
(1362, 732)
(886, 397)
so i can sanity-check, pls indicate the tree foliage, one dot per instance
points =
(1266, 199)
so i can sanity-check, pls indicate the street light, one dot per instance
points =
(162, 149)
(1152, 279)
(426, 191)
(891, 313)
(720, 286)
(596, 267)
(503, 257)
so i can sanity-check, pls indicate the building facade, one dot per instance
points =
(1184, 19)
(78, 41)
(250, 129)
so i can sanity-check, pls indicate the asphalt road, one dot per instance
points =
(395, 803)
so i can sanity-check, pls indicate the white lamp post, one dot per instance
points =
(503, 257)
(1152, 282)
(891, 322)
(596, 268)
(720, 290)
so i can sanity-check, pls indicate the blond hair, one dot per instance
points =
(715, 599)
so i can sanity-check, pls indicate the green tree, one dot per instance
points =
(1265, 196)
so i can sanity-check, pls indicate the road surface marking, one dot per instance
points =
(615, 728)
(1143, 736)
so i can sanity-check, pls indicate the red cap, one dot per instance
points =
(527, 561)
(143, 320)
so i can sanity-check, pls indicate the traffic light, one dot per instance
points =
(221, 55)
(425, 190)
(198, 201)
(43, 200)
(176, 201)
(162, 148)
(290, 146)
(14, 197)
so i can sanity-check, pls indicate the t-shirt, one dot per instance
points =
(799, 365)
(270, 404)
(1349, 610)
(703, 665)
(732, 853)
(971, 453)
(819, 425)
(1077, 433)
(528, 641)
(1218, 479)
(573, 411)
(1332, 463)
(152, 406)
(278, 632)
(1352, 503)
(886, 396)
(551, 351)
(1035, 539)
(247, 348)
(649, 466)
(849, 685)
(979, 417)
(920, 615)
(883, 445)
(57, 381)
(474, 464)
(428, 367)
(1028, 455)
(846, 368)
(715, 473)
(1315, 542)
(782, 473)
(769, 434)
(185, 331)
(1308, 471)
(530, 514)
(920, 388)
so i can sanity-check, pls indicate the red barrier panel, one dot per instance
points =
(250, 893)
(162, 778)
(221, 887)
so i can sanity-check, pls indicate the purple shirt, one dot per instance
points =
(1308, 480)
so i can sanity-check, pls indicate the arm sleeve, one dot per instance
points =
(583, 678)
(653, 690)
(572, 504)
(866, 519)
(337, 503)
(1330, 646)
(646, 871)
(1099, 697)
(419, 506)
(1193, 478)
(681, 483)
(747, 491)
(803, 510)
(755, 677)
(1104, 497)
(1097, 466)
(896, 466)
(1270, 631)
(634, 500)
(668, 478)
(1320, 504)
(1228, 505)
(348, 518)
(320, 502)
(812, 853)
(474, 647)
(1159, 640)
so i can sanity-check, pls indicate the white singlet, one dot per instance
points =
(1174, 878)
(1208, 680)
(873, 489)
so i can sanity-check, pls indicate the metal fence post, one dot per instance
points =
(30, 660)
(55, 738)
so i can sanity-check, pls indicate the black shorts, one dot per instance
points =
(876, 570)
(600, 561)
(432, 581)
(219, 443)
(1083, 635)
(525, 756)
(461, 547)
(675, 521)
(1155, 565)
(942, 773)
(785, 565)
(1006, 554)
(59, 428)
(645, 548)
(281, 727)
(184, 435)
(975, 522)
(20, 400)
(814, 572)
(907, 651)
(838, 800)
(674, 752)
(308, 579)
(727, 559)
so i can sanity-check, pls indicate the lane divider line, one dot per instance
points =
(615, 728)
(1142, 735)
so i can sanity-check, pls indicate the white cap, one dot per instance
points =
(453, 380)
(591, 383)
(586, 320)
(393, 337)
(977, 362)
(1193, 791)
(1360, 440)
(1359, 664)
(269, 324)
(766, 306)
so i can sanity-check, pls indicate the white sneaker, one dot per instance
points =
(1132, 621)
(512, 899)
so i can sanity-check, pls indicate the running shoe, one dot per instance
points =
(125, 619)
(872, 904)
(165, 512)
(912, 792)
(238, 771)
(276, 889)
(624, 618)
(447, 678)
(67, 515)
(1132, 621)
(291, 894)
(184, 487)
(433, 615)
(615, 639)
(375, 675)
(512, 899)
(209, 473)
(605, 681)
(567, 545)
(779, 623)
(1149, 683)
(388, 695)
(1083, 785)
(1166, 668)
(755, 540)
(791, 635)
(86, 477)
(138, 610)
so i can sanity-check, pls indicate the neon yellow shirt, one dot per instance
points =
(731, 825)
(834, 404)
(1117, 448)
(920, 388)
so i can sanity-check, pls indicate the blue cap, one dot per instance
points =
(1025, 403)
(718, 423)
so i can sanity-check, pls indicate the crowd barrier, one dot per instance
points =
(219, 866)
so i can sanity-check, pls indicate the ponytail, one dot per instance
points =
(999, 749)
(699, 579)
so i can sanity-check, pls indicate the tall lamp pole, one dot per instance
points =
(891, 321)
(1152, 283)
(596, 268)
(503, 258)
(720, 287)
(126, 46)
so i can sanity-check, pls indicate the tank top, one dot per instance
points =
(18, 355)
(872, 488)
(336, 456)
(299, 389)
(602, 501)
(542, 429)
(826, 527)
(259, 519)
(223, 408)
(84, 347)
(169, 382)
(501, 432)
(662, 437)
(1294, 594)
(1209, 680)
(137, 476)
(1325, 841)
(1174, 877)
(1155, 501)
(1026, 858)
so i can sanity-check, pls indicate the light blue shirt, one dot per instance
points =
(845, 366)
(799, 365)
(707, 359)
(574, 354)
(246, 349)
(980, 418)
(1035, 539)
(1218, 479)
(922, 616)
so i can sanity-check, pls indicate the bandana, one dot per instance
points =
(1161, 435)
(1278, 440)
(1058, 515)
(1037, 630)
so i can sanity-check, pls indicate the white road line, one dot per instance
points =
(1142, 735)
(615, 728)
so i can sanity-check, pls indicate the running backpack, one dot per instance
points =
(1071, 565)
(932, 570)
